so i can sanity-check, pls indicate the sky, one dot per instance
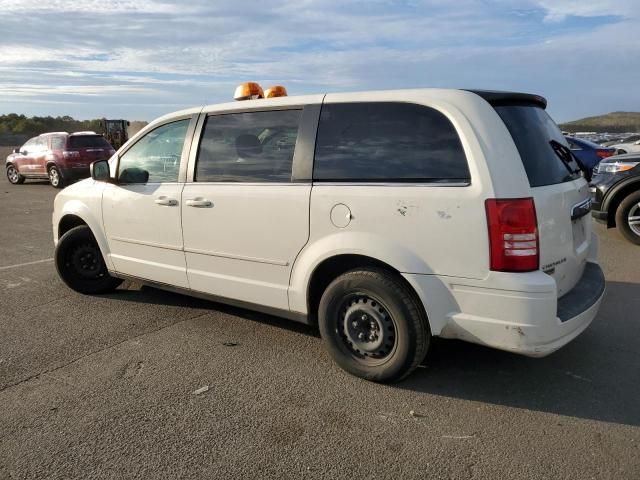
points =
(139, 59)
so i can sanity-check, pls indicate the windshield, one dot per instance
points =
(532, 130)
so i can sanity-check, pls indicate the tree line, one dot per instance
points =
(16, 129)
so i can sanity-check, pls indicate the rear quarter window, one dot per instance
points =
(387, 141)
(57, 143)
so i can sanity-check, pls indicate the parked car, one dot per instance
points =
(589, 153)
(59, 157)
(615, 192)
(385, 218)
(627, 147)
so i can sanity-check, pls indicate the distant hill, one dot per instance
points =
(610, 122)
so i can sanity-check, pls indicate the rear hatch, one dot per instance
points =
(561, 194)
(89, 148)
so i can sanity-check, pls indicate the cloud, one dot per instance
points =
(154, 53)
(558, 10)
(93, 6)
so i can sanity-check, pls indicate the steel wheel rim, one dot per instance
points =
(86, 261)
(366, 329)
(13, 175)
(633, 219)
(54, 178)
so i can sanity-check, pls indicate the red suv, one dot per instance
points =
(60, 157)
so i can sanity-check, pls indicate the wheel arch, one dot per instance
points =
(618, 194)
(68, 222)
(321, 262)
(75, 213)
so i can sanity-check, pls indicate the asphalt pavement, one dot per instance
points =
(103, 386)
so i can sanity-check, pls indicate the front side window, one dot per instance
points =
(155, 158)
(30, 145)
(387, 142)
(248, 147)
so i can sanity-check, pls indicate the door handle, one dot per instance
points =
(169, 202)
(199, 202)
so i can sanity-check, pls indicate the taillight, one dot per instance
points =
(513, 234)
(69, 154)
(604, 153)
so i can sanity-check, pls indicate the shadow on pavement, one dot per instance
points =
(594, 377)
(133, 292)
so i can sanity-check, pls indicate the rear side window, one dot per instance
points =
(248, 147)
(57, 143)
(383, 141)
(532, 129)
(88, 141)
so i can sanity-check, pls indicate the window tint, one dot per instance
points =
(155, 158)
(88, 141)
(532, 129)
(248, 147)
(387, 142)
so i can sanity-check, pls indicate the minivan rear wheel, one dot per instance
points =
(14, 176)
(628, 217)
(373, 325)
(80, 264)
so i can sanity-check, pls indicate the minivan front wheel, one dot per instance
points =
(55, 178)
(14, 176)
(80, 264)
(373, 325)
(628, 218)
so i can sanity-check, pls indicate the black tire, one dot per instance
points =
(55, 177)
(628, 212)
(80, 264)
(373, 325)
(14, 176)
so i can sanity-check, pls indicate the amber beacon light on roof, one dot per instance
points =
(253, 91)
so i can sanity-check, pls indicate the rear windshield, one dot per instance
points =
(88, 141)
(532, 129)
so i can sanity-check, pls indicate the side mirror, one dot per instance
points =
(133, 175)
(100, 171)
(16, 150)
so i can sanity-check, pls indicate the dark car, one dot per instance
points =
(615, 191)
(59, 157)
(589, 153)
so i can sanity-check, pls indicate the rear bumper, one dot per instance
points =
(528, 321)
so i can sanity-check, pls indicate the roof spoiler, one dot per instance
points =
(498, 98)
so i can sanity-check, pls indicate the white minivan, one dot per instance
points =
(385, 218)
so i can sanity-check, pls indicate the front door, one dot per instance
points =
(141, 210)
(24, 161)
(244, 219)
